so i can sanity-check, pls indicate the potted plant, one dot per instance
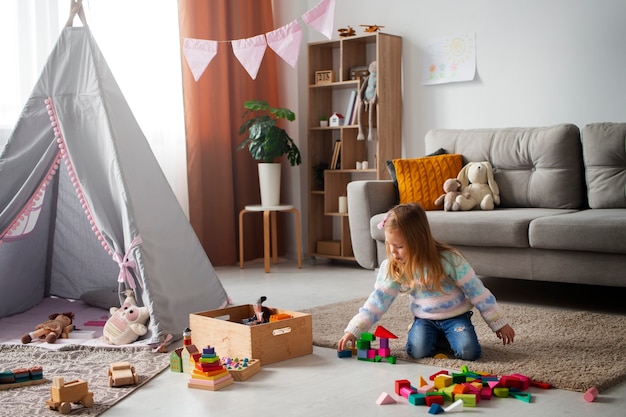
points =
(267, 142)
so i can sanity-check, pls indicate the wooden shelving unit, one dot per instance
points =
(325, 223)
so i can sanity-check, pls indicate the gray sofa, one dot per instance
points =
(562, 215)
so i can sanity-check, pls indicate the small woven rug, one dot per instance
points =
(570, 349)
(74, 362)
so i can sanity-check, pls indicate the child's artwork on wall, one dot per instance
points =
(449, 59)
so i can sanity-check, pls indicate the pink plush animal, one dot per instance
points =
(126, 323)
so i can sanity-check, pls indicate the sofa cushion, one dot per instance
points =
(593, 230)
(534, 166)
(495, 228)
(421, 180)
(604, 153)
(391, 169)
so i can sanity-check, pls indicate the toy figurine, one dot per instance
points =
(261, 313)
(58, 326)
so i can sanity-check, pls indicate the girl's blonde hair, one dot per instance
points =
(423, 264)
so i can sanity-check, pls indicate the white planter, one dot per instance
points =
(269, 182)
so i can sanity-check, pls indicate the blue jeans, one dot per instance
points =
(427, 337)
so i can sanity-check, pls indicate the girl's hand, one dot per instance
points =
(506, 334)
(343, 342)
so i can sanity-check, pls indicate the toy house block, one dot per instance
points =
(186, 356)
(464, 369)
(401, 383)
(454, 407)
(384, 352)
(363, 344)
(590, 395)
(381, 332)
(442, 381)
(385, 398)
(383, 343)
(335, 119)
(447, 392)
(417, 399)
(421, 382)
(442, 372)
(501, 392)
(434, 399)
(435, 409)
(176, 363)
(469, 400)
(367, 336)
(485, 393)
(391, 359)
(460, 389)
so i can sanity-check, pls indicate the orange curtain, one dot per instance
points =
(221, 179)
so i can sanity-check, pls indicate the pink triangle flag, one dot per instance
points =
(285, 41)
(321, 17)
(250, 53)
(199, 53)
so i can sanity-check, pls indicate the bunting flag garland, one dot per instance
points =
(320, 19)
(199, 54)
(285, 41)
(250, 53)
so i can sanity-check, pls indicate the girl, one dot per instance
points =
(442, 286)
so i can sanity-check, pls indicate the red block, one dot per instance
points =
(434, 399)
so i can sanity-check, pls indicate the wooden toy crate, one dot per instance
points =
(268, 342)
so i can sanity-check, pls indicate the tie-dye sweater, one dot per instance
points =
(462, 291)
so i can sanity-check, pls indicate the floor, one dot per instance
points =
(320, 384)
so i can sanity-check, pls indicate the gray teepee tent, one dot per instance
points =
(84, 204)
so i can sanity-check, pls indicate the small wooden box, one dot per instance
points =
(269, 342)
(324, 77)
(254, 366)
(329, 247)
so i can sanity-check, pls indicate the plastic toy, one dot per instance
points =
(63, 394)
(58, 326)
(121, 373)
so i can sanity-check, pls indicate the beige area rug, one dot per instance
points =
(73, 362)
(572, 350)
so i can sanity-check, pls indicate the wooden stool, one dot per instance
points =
(269, 221)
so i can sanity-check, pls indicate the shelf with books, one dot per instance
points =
(337, 147)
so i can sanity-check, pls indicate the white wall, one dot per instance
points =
(539, 62)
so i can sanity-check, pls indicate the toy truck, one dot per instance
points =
(121, 373)
(63, 394)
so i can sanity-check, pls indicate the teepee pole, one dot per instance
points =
(76, 7)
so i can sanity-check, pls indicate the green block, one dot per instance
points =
(524, 396)
(417, 399)
(368, 336)
(391, 360)
(501, 392)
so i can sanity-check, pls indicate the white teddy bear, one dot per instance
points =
(126, 323)
(479, 188)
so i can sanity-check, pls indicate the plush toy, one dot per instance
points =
(126, 323)
(451, 189)
(261, 313)
(479, 188)
(367, 102)
(58, 326)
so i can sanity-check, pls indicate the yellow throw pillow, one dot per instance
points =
(420, 180)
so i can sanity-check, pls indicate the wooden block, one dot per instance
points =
(346, 353)
(417, 399)
(243, 373)
(209, 385)
(524, 396)
(469, 400)
(454, 407)
(435, 409)
(501, 392)
(590, 395)
(401, 383)
(442, 372)
(442, 381)
(434, 399)
(385, 398)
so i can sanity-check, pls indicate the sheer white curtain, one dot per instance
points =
(139, 40)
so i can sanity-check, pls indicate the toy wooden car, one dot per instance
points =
(121, 373)
(63, 394)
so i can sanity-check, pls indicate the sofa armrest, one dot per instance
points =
(365, 199)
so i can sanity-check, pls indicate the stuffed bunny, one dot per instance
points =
(479, 188)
